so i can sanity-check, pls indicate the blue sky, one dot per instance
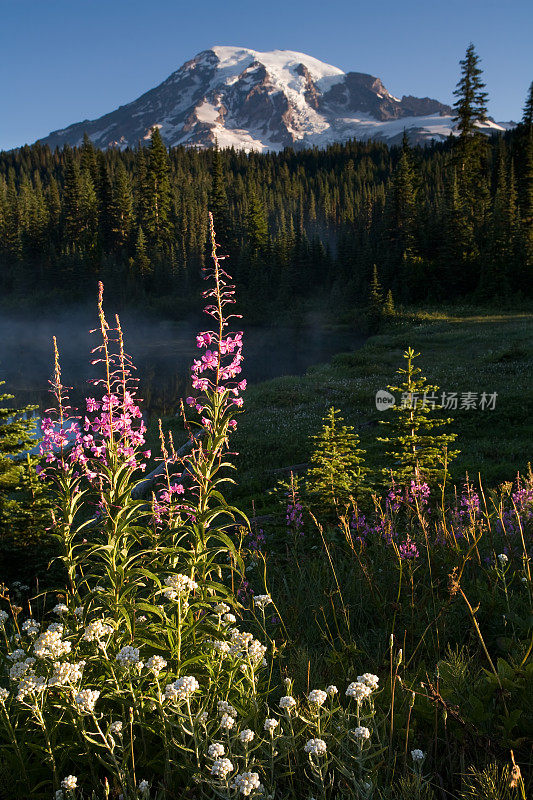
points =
(62, 61)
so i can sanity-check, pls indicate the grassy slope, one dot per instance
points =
(460, 351)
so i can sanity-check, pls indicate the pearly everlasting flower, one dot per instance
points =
(331, 690)
(116, 727)
(144, 787)
(417, 755)
(227, 722)
(4, 616)
(96, 631)
(204, 716)
(128, 655)
(317, 696)
(361, 733)
(287, 702)
(220, 646)
(50, 643)
(316, 747)
(216, 750)
(224, 707)
(503, 559)
(61, 608)
(78, 612)
(20, 668)
(246, 736)
(178, 585)
(270, 725)
(156, 664)
(69, 783)
(246, 782)
(182, 688)
(369, 680)
(262, 600)
(30, 626)
(358, 691)
(222, 608)
(221, 768)
(229, 618)
(4, 694)
(16, 655)
(86, 700)
(59, 795)
(66, 673)
(32, 685)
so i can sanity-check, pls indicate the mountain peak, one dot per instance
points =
(256, 100)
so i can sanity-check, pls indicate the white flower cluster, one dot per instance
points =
(86, 700)
(262, 600)
(361, 732)
(116, 727)
(246, 736)
(246, 782)
(216, 750)
(97, 630)
(69, 783)
(20, 668)
(182, 688)
(270, 725)
(369, 680)
(227, 722)
(156, 664)
(220, 646)
(331, 690)
(287, 702)
(317, 696)
(221, 768)
(50, 644)
(128, 655)
(243, 645)
(358, 690)
(66, 673)
(16, 655)
(222, 608)
(229, 618)
(32, 685)
(144, 787)
(178, 585)
(316, 747)
(503, 559)
(417, 755)
(4, 616)
(224, 707)
(4, 694)
(61, 608)
(30, 626)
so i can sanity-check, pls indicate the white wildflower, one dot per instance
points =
(69, 783)
(30, 626)
(222, 608)
(246, 782)
(316, 747)
(270, 725)
(216, 750)
(4, 616)
(116, 727)
(156, 664)
(221, 768)
(262, 600)
(16, 655)
(369, 680)
(128, 655)
(86, 700)
(178, 585)
(331, 690)
(97, 630)
(503, 559)
(65, 673)
(246, 736)
(317, 696)
(417, 755)
(229, 618)
(227, 722)
(4, 694)
(20, 668)
(50, 643)
(220, 646)
(361, 733)
(61, 608)
(186, 686)
(226, 708)
(358, 691)
(31, 684)
(144, 787)
(287, 702)
(78, 612)
(204, 716)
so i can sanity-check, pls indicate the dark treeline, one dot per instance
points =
(448, 221)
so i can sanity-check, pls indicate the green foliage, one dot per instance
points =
(337, 475)
(416, 452)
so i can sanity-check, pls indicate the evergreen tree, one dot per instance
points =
(157, 223)
(337, 474)
(141, 261)
(416, 452)
(218, 203)
(388, 306)
(471, 103)
(121, 208)
(527, 118)
(375, 302)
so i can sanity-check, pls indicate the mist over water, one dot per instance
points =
(162, 350)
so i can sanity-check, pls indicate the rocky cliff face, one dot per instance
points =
(264, 101)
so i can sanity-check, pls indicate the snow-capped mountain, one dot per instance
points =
(265, 101)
